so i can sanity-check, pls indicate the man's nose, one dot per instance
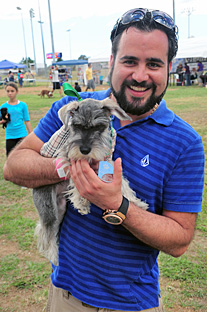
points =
(140, 73)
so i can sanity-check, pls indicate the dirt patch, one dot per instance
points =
(23, 301)
(37, 89)
(26, 90)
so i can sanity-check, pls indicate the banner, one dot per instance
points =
(57, 55)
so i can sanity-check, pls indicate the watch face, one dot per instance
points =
(113, 219)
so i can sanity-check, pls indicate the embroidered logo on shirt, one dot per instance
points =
(145, 161)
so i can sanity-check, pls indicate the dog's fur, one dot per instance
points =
(88, 123)
(46, 92)
(5, 115)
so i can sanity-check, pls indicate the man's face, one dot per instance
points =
(139, 74)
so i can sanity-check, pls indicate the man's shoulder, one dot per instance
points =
(183, 126)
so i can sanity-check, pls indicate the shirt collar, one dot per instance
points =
(163, 115)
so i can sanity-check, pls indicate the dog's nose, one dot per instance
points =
(85, 150)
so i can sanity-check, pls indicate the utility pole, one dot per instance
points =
(31, 12)
(68, 30)
(43, 46)
(188, 11)
(51, 32)
(174, 10)
(20, 9)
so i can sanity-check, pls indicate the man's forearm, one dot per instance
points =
(171, 232)
(28, 168)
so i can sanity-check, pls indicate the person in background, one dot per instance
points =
(55, 80)
(89, 77)
(27, 74)
(11, 76)
(19, 115)
(20, 78)
(200, 72)
(5, 81)
(203, 77)
(187, 74)
(112, 266)
(193, 75)
(77, 87)
(101, 79)
(180, 72)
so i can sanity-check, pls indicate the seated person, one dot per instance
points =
(77, 87)
(193, 75)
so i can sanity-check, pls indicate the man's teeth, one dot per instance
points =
(139, 89)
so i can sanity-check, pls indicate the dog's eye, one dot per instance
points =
(99, 128)
(78, 127)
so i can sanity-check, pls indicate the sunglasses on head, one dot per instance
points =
(137, 15)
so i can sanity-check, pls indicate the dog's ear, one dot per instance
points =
(115, 109)
(3, 112)
(67, 111)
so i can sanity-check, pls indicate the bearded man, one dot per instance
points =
(109, 267)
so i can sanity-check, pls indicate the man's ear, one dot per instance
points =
(170, 66)
(111, 61)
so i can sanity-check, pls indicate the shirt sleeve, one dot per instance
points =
(25, 112)
(183, 191)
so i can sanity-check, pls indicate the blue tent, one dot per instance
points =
(9, 65)
(71, 62)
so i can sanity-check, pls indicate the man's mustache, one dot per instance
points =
(134, 83)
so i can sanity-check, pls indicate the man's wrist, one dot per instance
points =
(59, 169)
(116, 217)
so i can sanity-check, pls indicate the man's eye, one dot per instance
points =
(128, 62)
(153, 65)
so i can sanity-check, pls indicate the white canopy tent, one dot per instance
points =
(192, 47)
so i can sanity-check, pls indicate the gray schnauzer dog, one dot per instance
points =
(86, 133)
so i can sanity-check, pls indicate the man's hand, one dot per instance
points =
(90, 186)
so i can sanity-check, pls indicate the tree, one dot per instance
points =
(24, 61)
(83, 57)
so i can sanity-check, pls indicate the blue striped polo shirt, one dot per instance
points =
(105, 265)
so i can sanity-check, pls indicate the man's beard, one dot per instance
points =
(134, 107)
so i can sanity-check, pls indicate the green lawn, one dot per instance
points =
(25, 275)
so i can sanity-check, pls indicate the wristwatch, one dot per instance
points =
(116, 217)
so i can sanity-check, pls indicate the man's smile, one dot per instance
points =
(138, 89)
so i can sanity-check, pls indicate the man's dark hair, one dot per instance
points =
(148, 26)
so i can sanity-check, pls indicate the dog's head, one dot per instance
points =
(4, 113)
(50, 93)
(90, 127)
(106, 106)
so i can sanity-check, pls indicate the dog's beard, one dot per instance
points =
(134, 107)
(95, 153)
(99, 143)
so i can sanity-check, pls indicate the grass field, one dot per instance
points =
(25, 275)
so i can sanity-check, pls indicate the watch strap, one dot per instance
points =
(122, 211)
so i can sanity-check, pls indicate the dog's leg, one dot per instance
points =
(51, 205)
(79, 203)
(131, 195)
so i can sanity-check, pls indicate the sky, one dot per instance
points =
(82, 27)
